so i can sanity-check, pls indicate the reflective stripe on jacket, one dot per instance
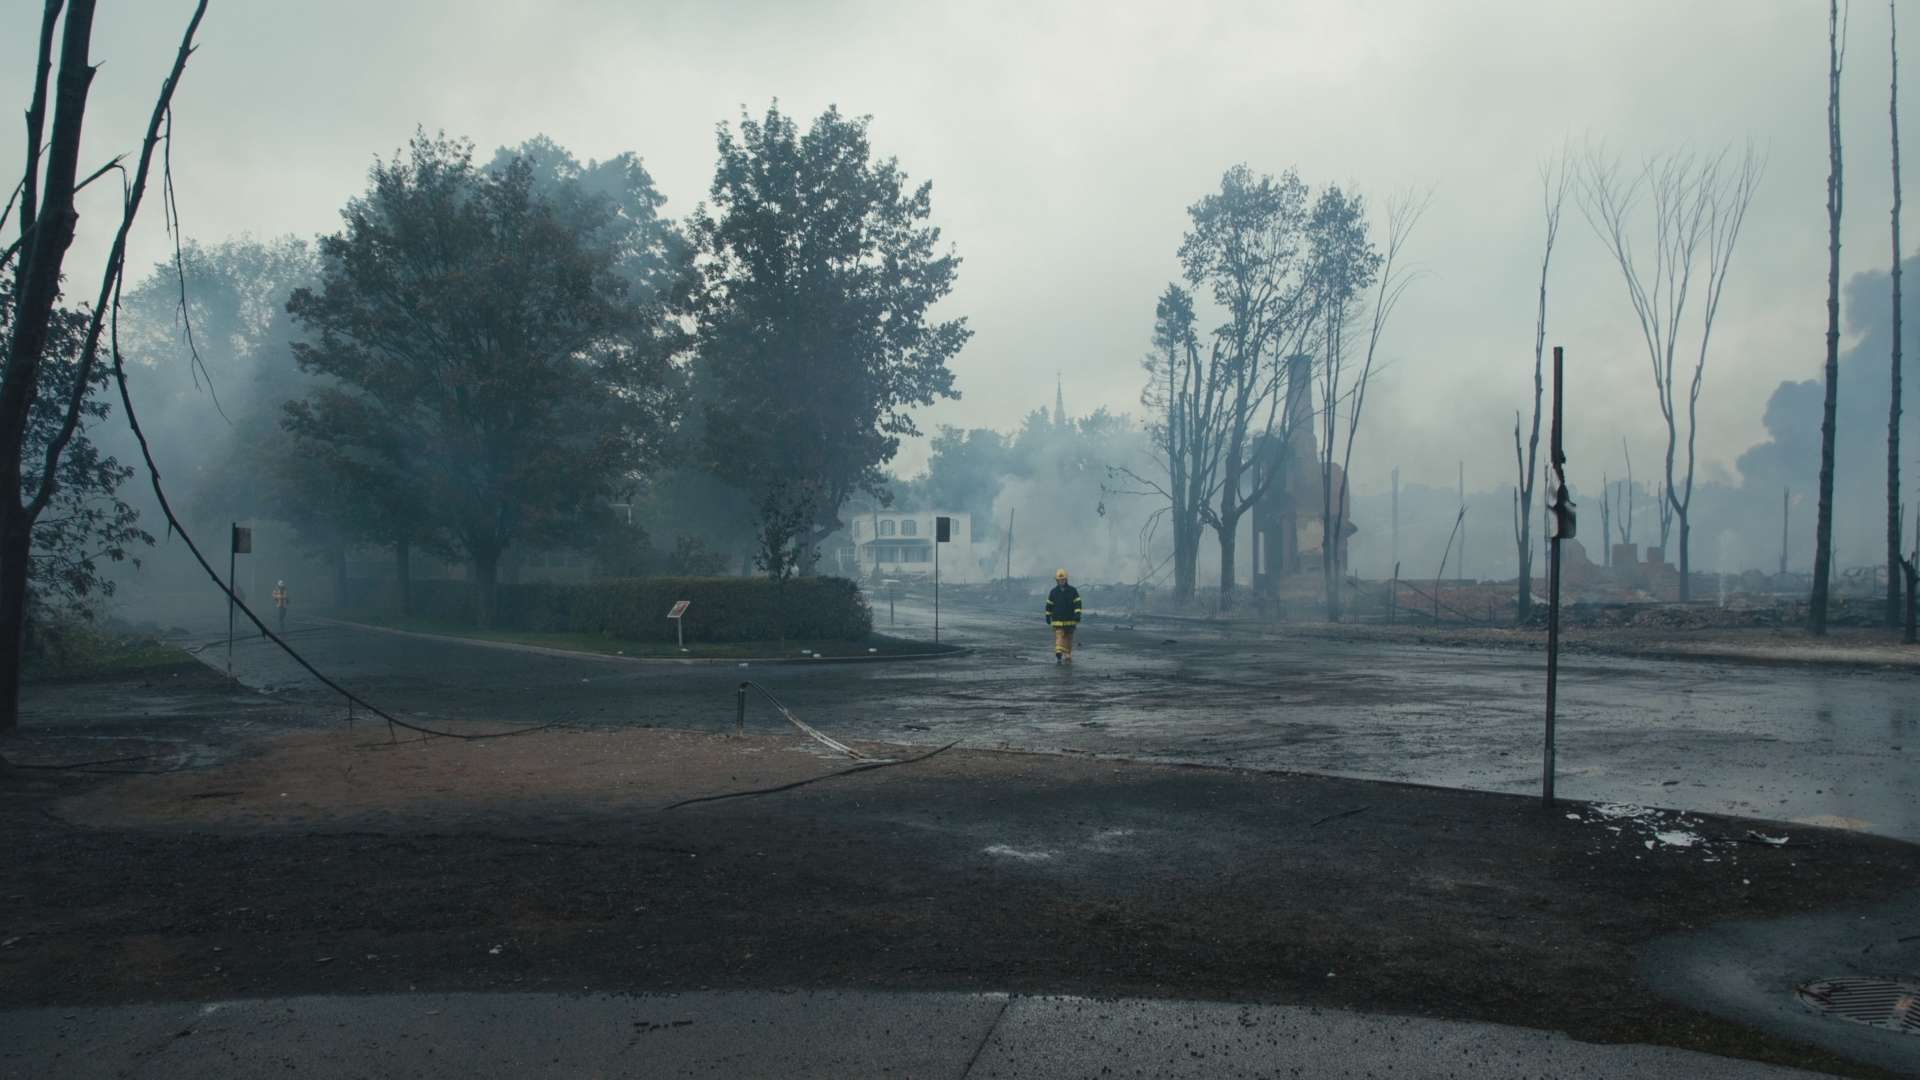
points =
(1063, 606)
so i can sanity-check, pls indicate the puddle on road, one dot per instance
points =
(1834, 821)
(1100, 842)
(1005, 852)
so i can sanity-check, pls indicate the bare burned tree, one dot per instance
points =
(1606, 520)
(1344, 265)
(1697, 205)
(1823, 520)
(48, 221)
(1554, 177)
(1894, 517)
(1185, 396)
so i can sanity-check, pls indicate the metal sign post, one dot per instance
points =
(942, 532)
(242, 544)
(678, 618)
(1561, 516)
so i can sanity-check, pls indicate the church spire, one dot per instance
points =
(1059, 402)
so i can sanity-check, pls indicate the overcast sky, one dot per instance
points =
(1064, 142)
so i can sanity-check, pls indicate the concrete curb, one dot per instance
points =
(683, 661)
(804, 1034)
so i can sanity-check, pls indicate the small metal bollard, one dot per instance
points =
(740, 710)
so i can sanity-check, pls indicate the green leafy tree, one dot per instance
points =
(965, 468)
(209, 347)
(495, 324)
(346, 473)
(648, 250)
(691, 557)
(819, 271)
(85, 525)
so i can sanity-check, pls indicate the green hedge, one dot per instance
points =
(723, 609)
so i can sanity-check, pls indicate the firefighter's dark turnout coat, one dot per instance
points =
(1063, 606)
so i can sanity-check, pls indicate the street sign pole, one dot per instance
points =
(678, 617)
(1561, 517)
(942, 532)
(239, 542)
(233, 562)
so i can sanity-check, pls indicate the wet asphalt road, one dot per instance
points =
(1815, 745)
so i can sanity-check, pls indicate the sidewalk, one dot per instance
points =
(812, 1034)
(940, 652)
(1845, 648)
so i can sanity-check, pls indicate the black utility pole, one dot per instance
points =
(1563, 529)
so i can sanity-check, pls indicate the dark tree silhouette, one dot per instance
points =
(1895, 614)
(819, 269)
(48, 222)
(1823, 521)
(488, 331)
(1554, 176)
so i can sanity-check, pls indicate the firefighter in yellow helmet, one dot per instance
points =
(1063, 614)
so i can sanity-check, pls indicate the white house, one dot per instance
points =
(899, 544)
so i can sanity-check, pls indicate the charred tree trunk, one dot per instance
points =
(1680, 513)
(16, 544)
(1186, 560)
(1229, 530)
(1686, 559)
(46, 233)
(1823, 524)
(1329, 563)
(1524, 602)
(1229, 545)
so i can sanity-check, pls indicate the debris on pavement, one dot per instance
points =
(1657, 830)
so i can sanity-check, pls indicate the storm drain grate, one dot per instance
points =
(1881, 1003)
